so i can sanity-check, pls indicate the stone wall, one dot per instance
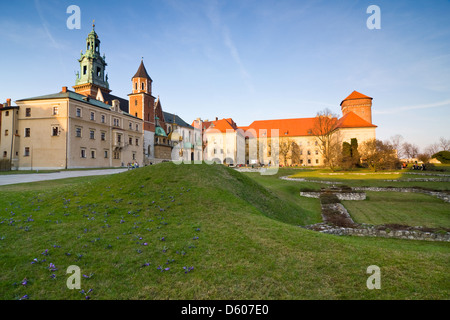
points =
(340, 195)
(399, 234)
(443, 195)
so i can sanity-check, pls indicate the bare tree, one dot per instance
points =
(284, 149)
(432, 149)
(410, 150)
(324, 130)
(295, 153)
(444, 144)
(396, 142)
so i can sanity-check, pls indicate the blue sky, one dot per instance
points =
(248, 60)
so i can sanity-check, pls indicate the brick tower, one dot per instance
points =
(141, 101)
(359, 104)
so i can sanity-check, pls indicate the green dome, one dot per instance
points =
(160, 131)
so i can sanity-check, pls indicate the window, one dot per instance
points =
(135, 102)
(93, 154)
(55, 131)
(27, 132)
(142, 86)
(130, 125)
(316, 143)
(134, 156)
(116, 155)
(135, 114)
(55, 111)
(106, 153)
(5, 154)
(78, 112)
(135, 86)
(92, 134)
(6, 132)
(317, 161)
(103, 136)
(137, 127)
(92, 116)
(301, 161)
(309, 161)
(78, 132)
(116, 122)
(28, 112)
(119, 138)
(130, 141)
(99, 71)
(309, 152)
(83, 153)
(26, 152)
(137, 141)
(85, 67)
(103, 118)
(317, 152)
(6, 113)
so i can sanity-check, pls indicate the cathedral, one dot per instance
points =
(89, 126)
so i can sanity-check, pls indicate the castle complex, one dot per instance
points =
(89, 127)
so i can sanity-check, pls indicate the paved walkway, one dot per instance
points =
(32, 177)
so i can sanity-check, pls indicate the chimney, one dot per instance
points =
(217, 118)
(64, 89)
(8, 102)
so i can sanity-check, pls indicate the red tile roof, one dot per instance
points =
(351, 120)
(356, 95)
(287, 127)
(222, 125)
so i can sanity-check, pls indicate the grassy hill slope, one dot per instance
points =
(194, 232)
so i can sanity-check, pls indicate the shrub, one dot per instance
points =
(442, 156)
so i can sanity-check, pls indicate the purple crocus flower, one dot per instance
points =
(24, 282)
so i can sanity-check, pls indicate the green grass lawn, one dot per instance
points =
(366, 178)
(132, 234)
(412, 209)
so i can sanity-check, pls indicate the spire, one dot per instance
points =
(142, 72)
(92, 65)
